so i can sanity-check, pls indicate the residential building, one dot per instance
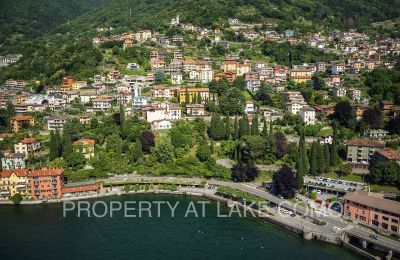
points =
(249, 107)
(339, 92)
(85, 147)
(372, 209)
(176, 78)
(28, 147)
(46, 183)
(12, 161)
(161, 124)
(195, 109)
(338, 68)
(307, 114)
(191, 92)
(375, 134)
(301, 75)
(102, 102)
(385, 155)
(76, 85)
(164, 91)
(326, 139)
(22, 122)
(13, 182)
(360, 151)
(354, 94)
(56, 123)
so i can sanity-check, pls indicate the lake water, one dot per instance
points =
(41, 231)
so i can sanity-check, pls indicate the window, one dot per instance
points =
(395, 220)
(393, 228)
(376, 217)
(385, 226)
(375, 223)
(385, 218)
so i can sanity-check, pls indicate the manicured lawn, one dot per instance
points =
(385, 189)
(247, 95)
(265, 176)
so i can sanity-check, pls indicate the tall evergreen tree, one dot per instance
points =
(121, 115)
(265, 127)
(228, 129)
(217, 128)
(327, 156)
(320, 159)
(254, 125)
(271, 127)
(236, 129)
(194, 99)
(53, 153)
(243, 126)
(313, 160)
(198, 101)
(137, 152)
(187, 97)
(334, 161)
(67, 144)
(57, 143)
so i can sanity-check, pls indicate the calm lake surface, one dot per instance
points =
(40, 231)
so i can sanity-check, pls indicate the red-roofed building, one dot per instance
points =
(81, 189)
(22, 122)
(387, 154)
(47, 183)
(85, 147)
(27, 146)
(13, 182)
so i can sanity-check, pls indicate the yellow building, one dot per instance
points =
(301, 75)
(78, 84)
(203, 92)
(21, 98)
(86, 147)
(22, 122)
(230, 66)
(13, 182)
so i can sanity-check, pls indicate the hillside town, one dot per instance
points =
(234, 109)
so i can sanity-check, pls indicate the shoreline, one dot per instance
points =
(271, 219)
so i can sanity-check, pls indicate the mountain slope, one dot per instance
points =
(29, 19)
(67, 49)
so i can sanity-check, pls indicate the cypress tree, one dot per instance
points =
(254, 125)
(53, 147)
(320, 159)
(327, 156)
(194, 99)
(313, 162)
(271, 127)
(121, 115)
(217, 128)
(137, 153)
(334, 161)
(57, 143)
(67, 145)
(236, 129)
(187, 97)
(265, 127)
(199, 99)
(227, 128)
(243, 126)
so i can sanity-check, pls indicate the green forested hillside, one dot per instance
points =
(65, 47)
(32, 18)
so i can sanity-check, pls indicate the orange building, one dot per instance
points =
(230, 76)
(372, 209)
(67, 84)
(47, 183)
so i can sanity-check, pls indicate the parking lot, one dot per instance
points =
(328, 185)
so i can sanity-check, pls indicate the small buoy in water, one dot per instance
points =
(262, 248)
(242, 238)
(241, 249)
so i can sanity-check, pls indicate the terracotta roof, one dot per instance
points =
(195, 90)
(22, 118)
(390, 154)
(365, 143)
(85, 141)
(374, 200)
(6, 135)
(81, 188)
(18, 172)
(47, 172)
(28, 140)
